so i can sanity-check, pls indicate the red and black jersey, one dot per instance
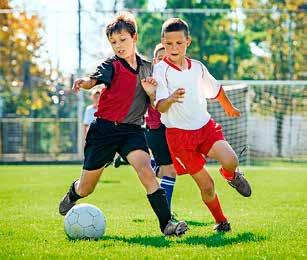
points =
(124, 99)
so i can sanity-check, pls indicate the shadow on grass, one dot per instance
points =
(198, 223)
(189, 222)
(156, 241)
(107, 182)
(138, 220)
(217, 240)
(214, 240)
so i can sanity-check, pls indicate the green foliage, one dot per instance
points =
(211, 36)
(282, 32)
(149, 32)
(278, 100)
(27, 81)
(222, 40)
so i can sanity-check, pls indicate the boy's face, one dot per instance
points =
(123, 44)
(176, 44)
(159, 55)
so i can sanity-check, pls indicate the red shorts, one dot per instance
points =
(189, 148)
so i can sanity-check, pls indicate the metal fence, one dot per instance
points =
(273, 125)
(39, 139)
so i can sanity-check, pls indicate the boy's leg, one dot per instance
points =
(206, 185)
(99, 151)
(222, 152)
(140, 160)
(158, 144)
(80, 189)
(168, 180)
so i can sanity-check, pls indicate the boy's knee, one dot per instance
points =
(231, 163)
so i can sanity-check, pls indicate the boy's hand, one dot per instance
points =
(77, 85)
(177, 96)
(233, 112)
(85, 83)
(149, 84)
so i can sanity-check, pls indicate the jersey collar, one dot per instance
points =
(165, 59)
(126, 64)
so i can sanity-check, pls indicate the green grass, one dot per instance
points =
(269, 225)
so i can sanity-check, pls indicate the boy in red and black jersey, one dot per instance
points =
(120, 114)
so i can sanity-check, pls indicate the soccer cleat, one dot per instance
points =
(119, 161)
(240, 184)
(222, 227)
(65, 205)
(175, 228)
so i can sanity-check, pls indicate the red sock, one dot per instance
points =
(216, 210)
(228, 175)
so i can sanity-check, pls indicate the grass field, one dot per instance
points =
(269, 225)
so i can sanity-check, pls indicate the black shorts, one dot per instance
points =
(105, 138)
(158, 145)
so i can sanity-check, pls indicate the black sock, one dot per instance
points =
(160, 206)
(72, 194)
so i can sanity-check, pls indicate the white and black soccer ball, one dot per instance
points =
(84, 221)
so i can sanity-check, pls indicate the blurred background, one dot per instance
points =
(255, 48)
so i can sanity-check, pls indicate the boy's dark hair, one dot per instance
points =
(124, 21)
(175, 25)
(158, 48)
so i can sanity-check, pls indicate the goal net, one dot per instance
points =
(273, 122)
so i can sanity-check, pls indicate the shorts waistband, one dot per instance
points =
(99, 119)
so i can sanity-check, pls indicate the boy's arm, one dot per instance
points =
(103, 75)
(163, 105)
(163, 99)
(85, 83)
(227, 105)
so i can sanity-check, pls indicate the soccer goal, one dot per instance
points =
(273, 121)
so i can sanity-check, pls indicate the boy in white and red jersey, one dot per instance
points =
(183, 86)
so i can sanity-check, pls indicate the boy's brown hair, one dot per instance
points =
(175, 25)
(123, 21)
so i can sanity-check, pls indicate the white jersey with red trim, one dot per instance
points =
(198, 83)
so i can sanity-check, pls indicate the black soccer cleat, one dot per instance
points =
(222, 227)
(241, 184)
(65, 205)
(119, 161)
(175, 228)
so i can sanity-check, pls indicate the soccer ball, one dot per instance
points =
(84, 221)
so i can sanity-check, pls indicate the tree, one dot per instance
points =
(213, 42)
(29, 85)
(25, 78)
(280, 33)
